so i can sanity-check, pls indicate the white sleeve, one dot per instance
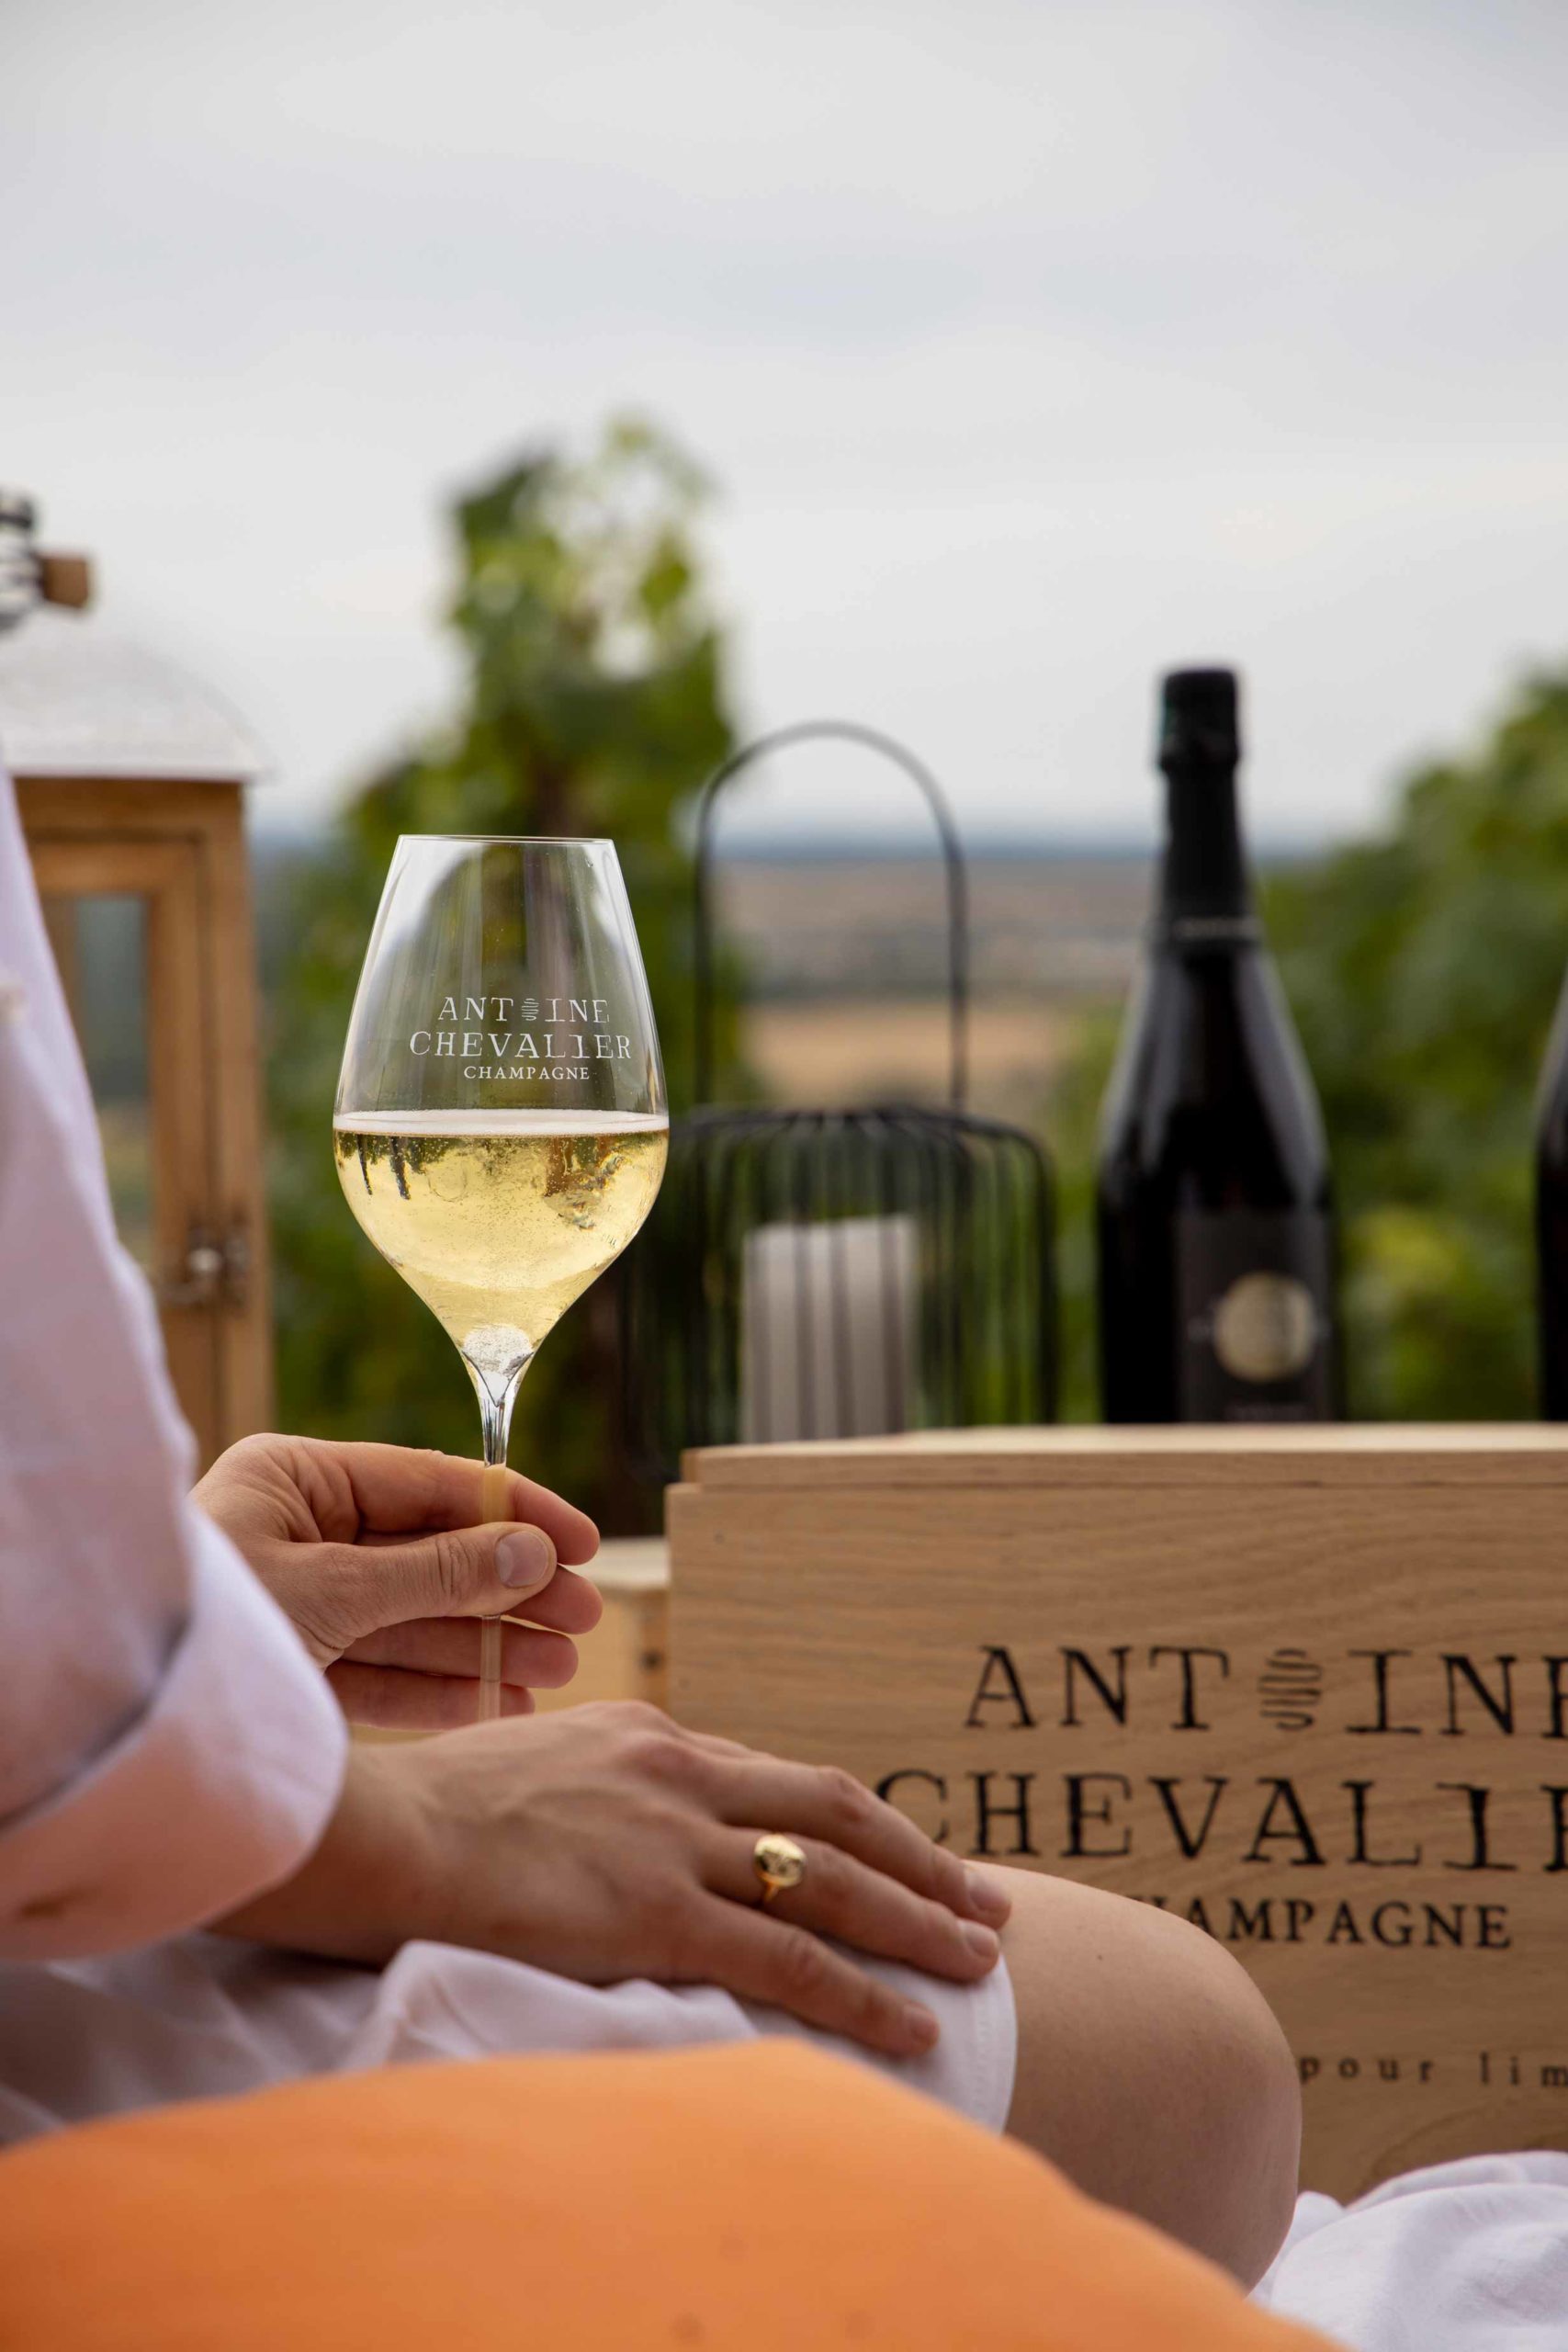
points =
(166, 1748)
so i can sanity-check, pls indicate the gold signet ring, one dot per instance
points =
(779, 1863)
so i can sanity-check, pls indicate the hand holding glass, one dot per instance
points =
(501, 1125)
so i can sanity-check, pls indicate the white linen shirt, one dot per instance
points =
(166, 1748)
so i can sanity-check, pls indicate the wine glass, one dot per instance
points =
(501, 1125)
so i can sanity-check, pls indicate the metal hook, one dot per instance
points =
(871, 739)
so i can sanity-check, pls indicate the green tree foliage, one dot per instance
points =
(1423, 967)
(594, 704)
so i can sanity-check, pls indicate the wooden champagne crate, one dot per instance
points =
(624, 1657)
(1307, 1688)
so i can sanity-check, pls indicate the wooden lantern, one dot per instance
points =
(130, 779)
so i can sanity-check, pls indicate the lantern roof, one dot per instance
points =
(77, 701)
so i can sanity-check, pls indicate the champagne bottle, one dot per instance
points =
(1552, 1218)
(1216, 1248)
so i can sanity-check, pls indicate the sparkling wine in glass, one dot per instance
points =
(501, 1127)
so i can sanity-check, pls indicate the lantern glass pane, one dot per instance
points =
(100, 944)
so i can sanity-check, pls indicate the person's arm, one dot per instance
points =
(607, 1842)
(165, 1749)
(603, 1844)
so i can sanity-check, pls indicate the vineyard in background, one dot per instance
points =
(1422, 965)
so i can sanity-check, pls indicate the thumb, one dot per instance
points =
(458, 1572)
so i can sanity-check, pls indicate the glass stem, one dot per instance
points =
(497, 1394)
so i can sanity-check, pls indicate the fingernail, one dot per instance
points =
(987, 1894)
(525, 1556)
(980, 1941)
(920, 2026)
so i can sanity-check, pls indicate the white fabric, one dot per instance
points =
(165, 1747)
(1471, 2257)
(207, 2019)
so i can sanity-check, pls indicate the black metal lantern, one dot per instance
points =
(815, 1274)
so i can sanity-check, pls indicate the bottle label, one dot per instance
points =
(1254, 1336)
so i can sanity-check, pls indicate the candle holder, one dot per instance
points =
(828, 1273)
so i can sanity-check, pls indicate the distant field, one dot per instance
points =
(845, 964)
(866, 1049)
(1038, 926)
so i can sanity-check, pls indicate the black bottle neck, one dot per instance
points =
(1206, 889)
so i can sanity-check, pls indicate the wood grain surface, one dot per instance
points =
(1312, 1694)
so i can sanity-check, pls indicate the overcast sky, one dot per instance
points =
(1034, 343)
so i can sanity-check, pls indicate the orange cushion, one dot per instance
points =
(759, 2198)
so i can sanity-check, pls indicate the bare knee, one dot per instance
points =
(1151, 2070)
(1244, 2111)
